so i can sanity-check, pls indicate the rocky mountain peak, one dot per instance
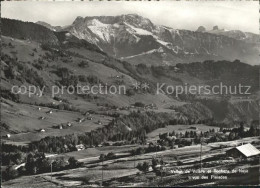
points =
(78, 19)
(131, 19)
(215, 27)
(201, 29)
(138, 21)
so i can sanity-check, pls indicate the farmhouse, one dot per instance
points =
(80, 120)
(243, 151)
(80, 147)
(89, 118)
(42, 118)
(49, 112)
(42, 130)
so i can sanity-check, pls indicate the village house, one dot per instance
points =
(42, 130)
(89, 118)
(80, 120)
(80, 147)
(243, 151)
(49, 112)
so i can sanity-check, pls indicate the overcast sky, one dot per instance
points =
(241, 15)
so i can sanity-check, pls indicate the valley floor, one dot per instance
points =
(122, 171)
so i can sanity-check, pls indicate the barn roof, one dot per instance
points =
(248, 150)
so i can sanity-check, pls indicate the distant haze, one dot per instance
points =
(231, 15)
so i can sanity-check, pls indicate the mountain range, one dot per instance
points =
(136, 39)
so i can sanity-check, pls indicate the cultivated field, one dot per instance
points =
(154, 135)
(26, 122)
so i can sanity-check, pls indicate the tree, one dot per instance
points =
(130, 92)
(140, 151)
(10, 173)
(231, 136)
(59, 164)
(22, 170)
(102, 157)
(73, 162)
(139, 104)
(110, 155)
(139, 166)
(83, 64)
(241, 130)
(30, 164)
(171, 144)
(155, 162)
(43, 146)
(9, 72)
(145, 166)
(45, 165)
(252, 131)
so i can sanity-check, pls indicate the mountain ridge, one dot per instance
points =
(129, 35)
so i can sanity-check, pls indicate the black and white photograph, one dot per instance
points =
(130, 93)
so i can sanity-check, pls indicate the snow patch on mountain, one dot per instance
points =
(159, 50)
(138, 31)
(103, 31)
(83, 35)
(163, 42)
